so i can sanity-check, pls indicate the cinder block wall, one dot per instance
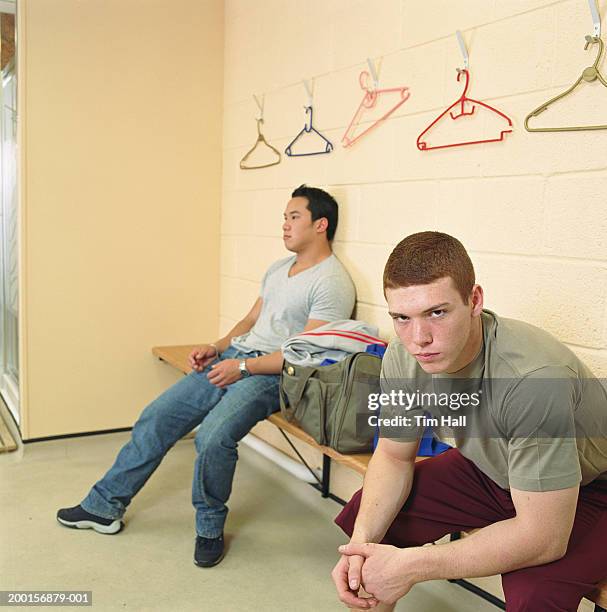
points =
(532, 210)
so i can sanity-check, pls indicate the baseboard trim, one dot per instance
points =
(81, 434)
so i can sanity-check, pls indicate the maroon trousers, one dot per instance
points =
(450, 494)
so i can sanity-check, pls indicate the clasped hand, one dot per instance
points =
(224, 373)
(380, 569)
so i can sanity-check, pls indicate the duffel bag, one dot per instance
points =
(330, 403)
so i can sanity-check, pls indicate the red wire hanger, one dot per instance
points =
(458, 110)
(368, 102)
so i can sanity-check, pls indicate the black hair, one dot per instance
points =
(320, 204)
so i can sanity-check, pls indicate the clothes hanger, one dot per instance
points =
(260, 140)
(263, 141)
(307, 129)
(422, 145)
(589, 74)
(369, 101)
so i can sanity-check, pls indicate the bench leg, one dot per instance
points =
(323, 485)
(465, 584)
(326, 475)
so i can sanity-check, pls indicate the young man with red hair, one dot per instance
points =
(529, 467)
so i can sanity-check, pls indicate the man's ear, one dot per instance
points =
(477, 300)
(321, 225)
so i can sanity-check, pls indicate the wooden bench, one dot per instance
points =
(177, 356)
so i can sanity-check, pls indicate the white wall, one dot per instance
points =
(121, 107)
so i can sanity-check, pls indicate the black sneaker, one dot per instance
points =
(78, 518)
(208, 551)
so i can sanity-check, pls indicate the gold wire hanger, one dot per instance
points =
(591, 73)
(260, 140)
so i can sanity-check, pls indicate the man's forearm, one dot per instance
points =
(386, 487)
(501, 547)
(266, 364)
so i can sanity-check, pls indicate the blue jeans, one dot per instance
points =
(225, 416)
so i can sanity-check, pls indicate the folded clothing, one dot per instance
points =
(334, 341)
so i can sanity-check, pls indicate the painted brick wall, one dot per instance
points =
(531, 210)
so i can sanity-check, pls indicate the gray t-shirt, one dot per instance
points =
(324, 292)
(540, 422)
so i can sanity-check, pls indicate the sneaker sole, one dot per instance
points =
(207, 564)
(110, 529)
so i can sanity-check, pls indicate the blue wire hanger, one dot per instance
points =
(308, 127)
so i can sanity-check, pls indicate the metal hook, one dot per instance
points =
(592, 40)
(463, 71)
(591, 73)
(363, 80)
(308, 125)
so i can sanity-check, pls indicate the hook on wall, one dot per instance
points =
(596, 18)
(260, 105)
(463, 49)
(374, 70)
(309, 90)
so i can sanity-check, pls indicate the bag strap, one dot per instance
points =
(288, 405)
(285, 410)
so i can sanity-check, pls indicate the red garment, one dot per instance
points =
(450, 494)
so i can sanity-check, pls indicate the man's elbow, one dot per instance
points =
(542, 545)
(553, 551)
(559, 551)
(249, 320)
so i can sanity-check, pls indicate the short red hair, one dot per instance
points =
(422, 258)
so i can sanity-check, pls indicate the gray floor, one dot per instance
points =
(282, 542)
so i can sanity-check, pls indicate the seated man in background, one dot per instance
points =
(530, 464)
(234, 383)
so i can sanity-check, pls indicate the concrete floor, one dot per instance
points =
(282, 542)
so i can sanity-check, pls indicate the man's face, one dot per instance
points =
(298, 229)
(434, 324)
